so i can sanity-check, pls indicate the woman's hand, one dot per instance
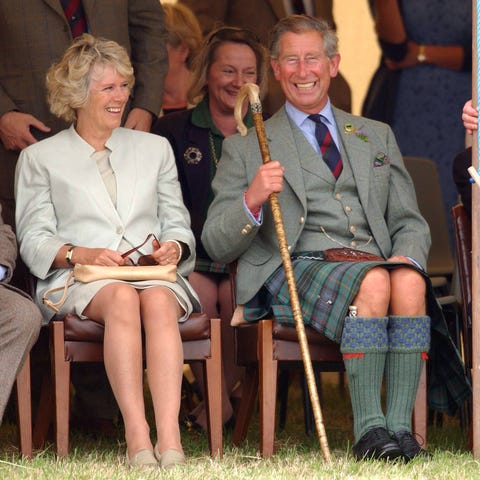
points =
(98, 256)
(400, 259)
(88, 256)
(166, 253)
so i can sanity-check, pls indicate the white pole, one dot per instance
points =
(475, 247)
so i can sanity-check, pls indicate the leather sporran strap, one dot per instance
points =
(349, 255)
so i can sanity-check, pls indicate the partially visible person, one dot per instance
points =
(183, 45)
(20, 318)
(470, 117)
(34, 34)
(341, 182)
(425, 75)
(463, 160)
(260, 16)
(88, 194)
(229, 58)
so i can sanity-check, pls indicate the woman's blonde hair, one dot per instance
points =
(68, 81)
(198, 85)
(183, 28)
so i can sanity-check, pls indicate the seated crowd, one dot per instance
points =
(94, 190)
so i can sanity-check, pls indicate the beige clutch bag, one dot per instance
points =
(91, 273)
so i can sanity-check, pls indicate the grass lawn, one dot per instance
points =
(297, 456)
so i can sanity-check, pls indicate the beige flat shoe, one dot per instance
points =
(143, 458)
(169, 458)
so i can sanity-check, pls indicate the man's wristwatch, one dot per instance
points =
(68, 256)
(421, 57)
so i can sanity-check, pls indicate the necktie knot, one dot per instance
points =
(329, 150)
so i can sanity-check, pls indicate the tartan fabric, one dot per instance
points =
(206, 265)
(326, 289)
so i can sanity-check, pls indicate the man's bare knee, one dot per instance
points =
(373, 298)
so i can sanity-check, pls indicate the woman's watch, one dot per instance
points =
(421, 56)
(68, 256)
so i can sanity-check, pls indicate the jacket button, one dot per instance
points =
(119, 230)
(246, 229)
(302, 220)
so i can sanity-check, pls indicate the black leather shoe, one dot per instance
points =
(409, 445)
(377, 444)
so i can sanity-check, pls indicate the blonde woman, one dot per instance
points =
(85, 196)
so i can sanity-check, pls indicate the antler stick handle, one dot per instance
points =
(252, 91)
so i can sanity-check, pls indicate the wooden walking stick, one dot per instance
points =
(251, 91)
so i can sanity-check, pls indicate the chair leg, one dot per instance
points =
(44, 413)
(61, 381)
(268, 368)
(247, 404)
(282, 387)
(420, 408)
(24, 408)
(213, 387)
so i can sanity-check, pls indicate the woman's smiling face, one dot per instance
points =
(234, 64)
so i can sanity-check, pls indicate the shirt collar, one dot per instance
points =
(299, 117)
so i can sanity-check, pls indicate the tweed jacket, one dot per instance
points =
(35, 34)
(384, 187)
(8, 255)
(61, 198)
(8, 249)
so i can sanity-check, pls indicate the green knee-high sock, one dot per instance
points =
(408, 343)
(364, 345)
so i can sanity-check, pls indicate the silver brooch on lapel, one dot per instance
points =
(192, 155)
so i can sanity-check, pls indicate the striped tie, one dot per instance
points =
(76, 16)
(329, 150)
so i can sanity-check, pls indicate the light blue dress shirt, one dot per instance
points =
(3, 272)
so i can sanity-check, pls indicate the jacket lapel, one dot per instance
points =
(283, 145)
(356, 150)
(55, 5)
(126, 173)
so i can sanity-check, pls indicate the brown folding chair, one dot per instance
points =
(75, 340)
(463, 250)
(260, 347)
(24, 408)
(463, 254)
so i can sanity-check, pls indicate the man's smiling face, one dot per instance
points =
(304, 71)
